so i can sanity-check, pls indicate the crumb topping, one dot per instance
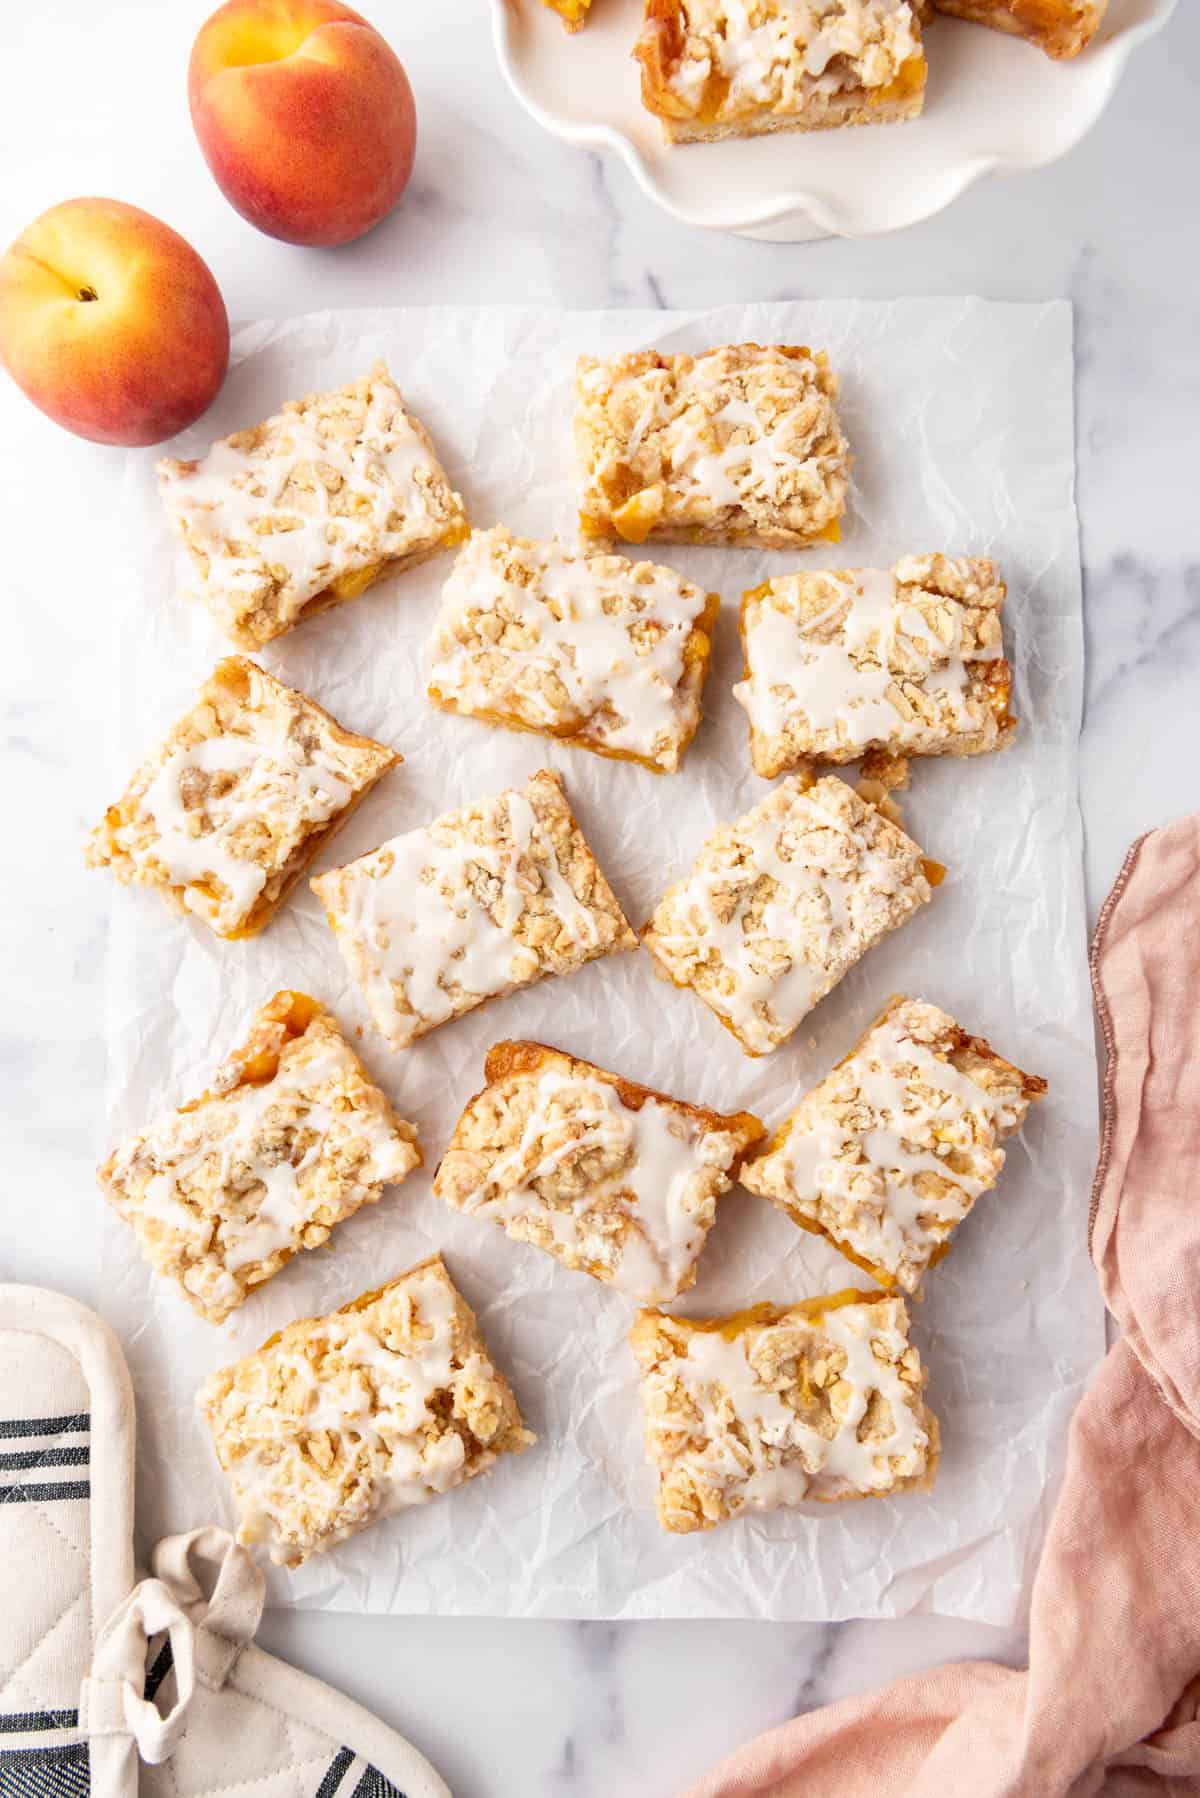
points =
(333, 487)
(890, 1152)
(740, 444)
(341, 1420)
(909, 660)
(480, 902)
(608, 652)
(780, 1406)
(612, 1179)
(781, 904)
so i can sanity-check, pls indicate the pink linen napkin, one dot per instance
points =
(1111, 1701)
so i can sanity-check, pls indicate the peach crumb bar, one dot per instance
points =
(823, 1400)
(781, 904)
(291, 1138)
(740, 445)
(609, 1177)
(226, 815)
(479, 903)
(590, 648)
(714, 69)
(909, 660)
(340, 1420)
(890, 1152)
(1062, 28)
(305, 510)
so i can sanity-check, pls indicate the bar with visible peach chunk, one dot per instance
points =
(611, 1178)
(782, 1404)
(307, 509)
(715, 69)
(290, 1139)
(739, 445)
(889, 1154)
(1062, 28)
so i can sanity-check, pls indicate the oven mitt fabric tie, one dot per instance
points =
(206, 1632)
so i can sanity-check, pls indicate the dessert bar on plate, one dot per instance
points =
(477, 904)
(340, 1420)
(909, 660)
(305, 510)
(890, 1152)
(735, 68)
(822, 1400)
(584, 646)
(740, 445)
(782, 903)
(290, 1138)
(226, 815)
(1060, 27)
(609, 1177)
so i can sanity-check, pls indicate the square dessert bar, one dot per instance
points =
(1062, 28)
(736, 68)
(573, 13)
(909, 660)
(780, 1404)
(226, 815)
(305, 510)
(780, 905)
(741, 445)
(590, 648)
(340, 1420)
(479, 903)
(607, 1176)
(890, 1152)
(290, 1139)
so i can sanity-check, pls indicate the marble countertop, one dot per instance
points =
(499, 213)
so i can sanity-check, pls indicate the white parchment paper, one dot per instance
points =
(960, 417)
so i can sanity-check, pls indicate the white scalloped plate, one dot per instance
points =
(992, 103)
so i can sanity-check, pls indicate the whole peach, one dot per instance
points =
(111, 323)
(304, 115)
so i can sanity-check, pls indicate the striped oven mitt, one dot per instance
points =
(111, 1688)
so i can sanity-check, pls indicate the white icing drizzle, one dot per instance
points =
(579, 640)
(849, 686)
(227, 842)
(239, 508)
(229, 1147)
(832, 900)
(663, 1183)
(909, 1114)
(338, 1377)
(412, 920)
(735, 470)
(775, 53)
(776, 1457)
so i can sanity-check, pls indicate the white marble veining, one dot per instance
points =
(92, 100)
